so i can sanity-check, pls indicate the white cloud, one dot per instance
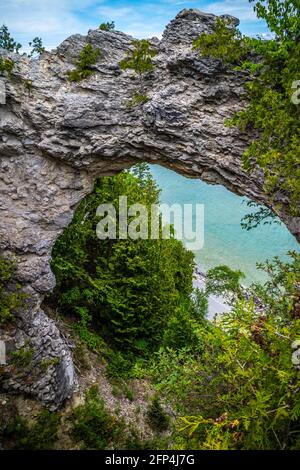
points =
(115, 13)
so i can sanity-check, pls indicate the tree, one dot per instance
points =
(108, 26)
(7, 42)
(10, 299)
(273, 67)
(88, 57)
(140, 58)
(37, 47)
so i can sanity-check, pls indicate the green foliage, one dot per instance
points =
(7, 42)
(22, 358)
(222, 280)
(248, 388)
(125, 290)
(274, 69)
(140, 58)
(84, 64)
(282, 17)
(182, 327)
(262, 215)
(121, 389)
(283, 277)
(199, 305)
(38, 435)
(108, 26)
(175, 374)
(157, 417)
(92, 425)
(135, 442)
(37, 47)
(137, 100)
(6, 66)
(119, 364)
(46, 363)
(80, 356)
(9, 300)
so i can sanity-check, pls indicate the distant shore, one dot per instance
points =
(217, 304)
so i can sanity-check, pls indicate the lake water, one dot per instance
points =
(225, 242)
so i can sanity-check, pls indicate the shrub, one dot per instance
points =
(84, 64)
(223, 280)
(41, 434)
(175, 374)
(224, 42)
(137, 100)
(10, 301)
(248, 392)
(7, 42)
(181, 330)
(126, 290)
(273, 69)
(6, 66)
(22, 358)
(157, 418)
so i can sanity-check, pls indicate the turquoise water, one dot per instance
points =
(225, 242)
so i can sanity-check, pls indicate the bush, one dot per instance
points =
(108, 26)
(22, 358)
(93, 425)
(157, 418)
(84, 64)
(7, 42)
(137, 100)
(37, 47)
(273, 67)
(6, 66)
(126, 290)
(181, 330)
(140, 58)
(223, 280)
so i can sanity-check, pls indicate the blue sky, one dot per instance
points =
(54, 20)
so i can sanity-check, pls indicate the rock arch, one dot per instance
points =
(57, 137)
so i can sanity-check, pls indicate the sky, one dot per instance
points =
(55, 20)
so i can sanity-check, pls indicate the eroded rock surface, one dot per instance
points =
(57, 137)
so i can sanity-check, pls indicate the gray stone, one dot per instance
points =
(57, 137)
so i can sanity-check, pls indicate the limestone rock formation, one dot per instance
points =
(56, 137)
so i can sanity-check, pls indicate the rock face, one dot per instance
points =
(57, 137)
